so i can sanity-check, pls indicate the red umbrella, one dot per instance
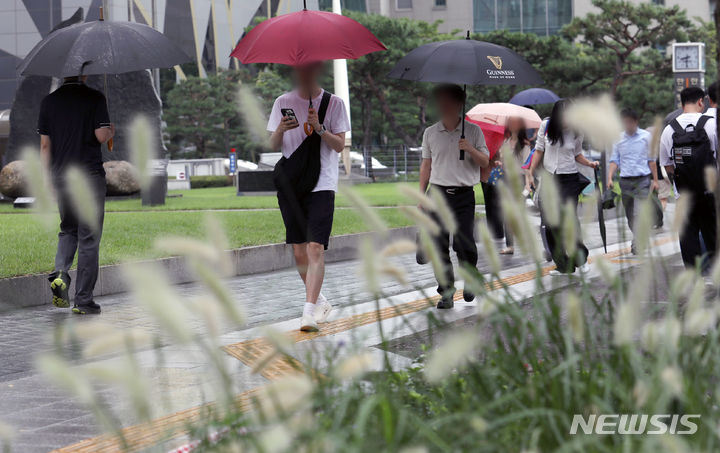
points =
(494, 135)
(306, 37)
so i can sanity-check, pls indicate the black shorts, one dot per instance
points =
(310, 219)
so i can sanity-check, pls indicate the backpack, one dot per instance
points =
(297, 175)
(692, 152)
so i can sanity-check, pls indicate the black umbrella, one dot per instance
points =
(601, 213)
(101, 47)
(465, 62)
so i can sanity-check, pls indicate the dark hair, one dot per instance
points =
(630, 113)
(712, 92)
(691, 95)
(455, 92)
(521, 138)
(554, 129)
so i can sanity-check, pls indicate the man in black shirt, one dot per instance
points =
(73, 123)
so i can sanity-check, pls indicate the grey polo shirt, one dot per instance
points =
(441, 145)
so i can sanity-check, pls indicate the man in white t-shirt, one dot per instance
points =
(308, 219)
(701, 214)
(712, 98)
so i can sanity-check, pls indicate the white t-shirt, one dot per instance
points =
(336, 122)
(686, 119)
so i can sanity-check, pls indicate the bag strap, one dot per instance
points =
(324, 106)
(677, 127)
(701, 122)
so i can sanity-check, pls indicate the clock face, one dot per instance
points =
(687, 58)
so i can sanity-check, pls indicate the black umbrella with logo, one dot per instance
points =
(465, 62)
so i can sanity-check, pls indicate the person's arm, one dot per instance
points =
(45, 150)
(582, 160)
(425, 170)
(334, 141)
(612, 168)
(105, 133)
(655, 185)
(480, 158)
(287, 123)
(665, 152)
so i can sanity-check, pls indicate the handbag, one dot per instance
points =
(297, 175)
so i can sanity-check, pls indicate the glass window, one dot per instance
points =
(440, 3)
(351, 5)
(403, 4)
(529, 16)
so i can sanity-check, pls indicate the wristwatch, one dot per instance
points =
(322, 130)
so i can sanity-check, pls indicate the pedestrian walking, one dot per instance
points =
(308, 126)
(73, 123)
(516, 147)
(559, 149)
(638, 170)
(687, 147)
(454, 178)
(712, 100)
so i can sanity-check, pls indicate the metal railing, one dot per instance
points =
(387, 163)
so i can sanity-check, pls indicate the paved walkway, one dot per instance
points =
(45, 418)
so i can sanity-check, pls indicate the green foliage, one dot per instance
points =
(629, 35)
(203, 113)
(201, 182)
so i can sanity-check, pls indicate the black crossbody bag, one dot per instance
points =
(297, 175)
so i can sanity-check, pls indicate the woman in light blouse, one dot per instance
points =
(516, 146)
(560, 150)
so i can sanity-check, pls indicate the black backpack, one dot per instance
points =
(297, 175)
(692, 152)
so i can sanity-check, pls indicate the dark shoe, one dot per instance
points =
(468, 296)
(59, 285)
(445, 303)
(87, 309)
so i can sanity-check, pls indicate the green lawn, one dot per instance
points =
(27, 248)
(130, 229)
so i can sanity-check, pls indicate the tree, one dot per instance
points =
(203, 112)
(390, 111)
(629, 34)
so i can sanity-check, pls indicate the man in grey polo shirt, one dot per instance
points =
(441, 166)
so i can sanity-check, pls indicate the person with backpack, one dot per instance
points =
(687, 146)
(559, 149)
(308, 126)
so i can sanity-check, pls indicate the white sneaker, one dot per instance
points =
(557, 273)
(308, 324)
(585, 268)
(322, 310)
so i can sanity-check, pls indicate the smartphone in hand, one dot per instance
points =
(289, 113)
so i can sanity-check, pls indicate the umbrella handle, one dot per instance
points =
(462, 120)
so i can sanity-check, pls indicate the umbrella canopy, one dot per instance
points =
(494, 135)
(465, 62)
(101, 47)
(499, 112)
(534, 96)
(305, 37)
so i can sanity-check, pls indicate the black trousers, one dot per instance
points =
(461, 202)
(77, 237)
(569, 188)
(701, 219)
(493, 210)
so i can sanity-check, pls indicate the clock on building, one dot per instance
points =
(688, 57)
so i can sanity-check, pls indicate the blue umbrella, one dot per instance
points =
(535, 96)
